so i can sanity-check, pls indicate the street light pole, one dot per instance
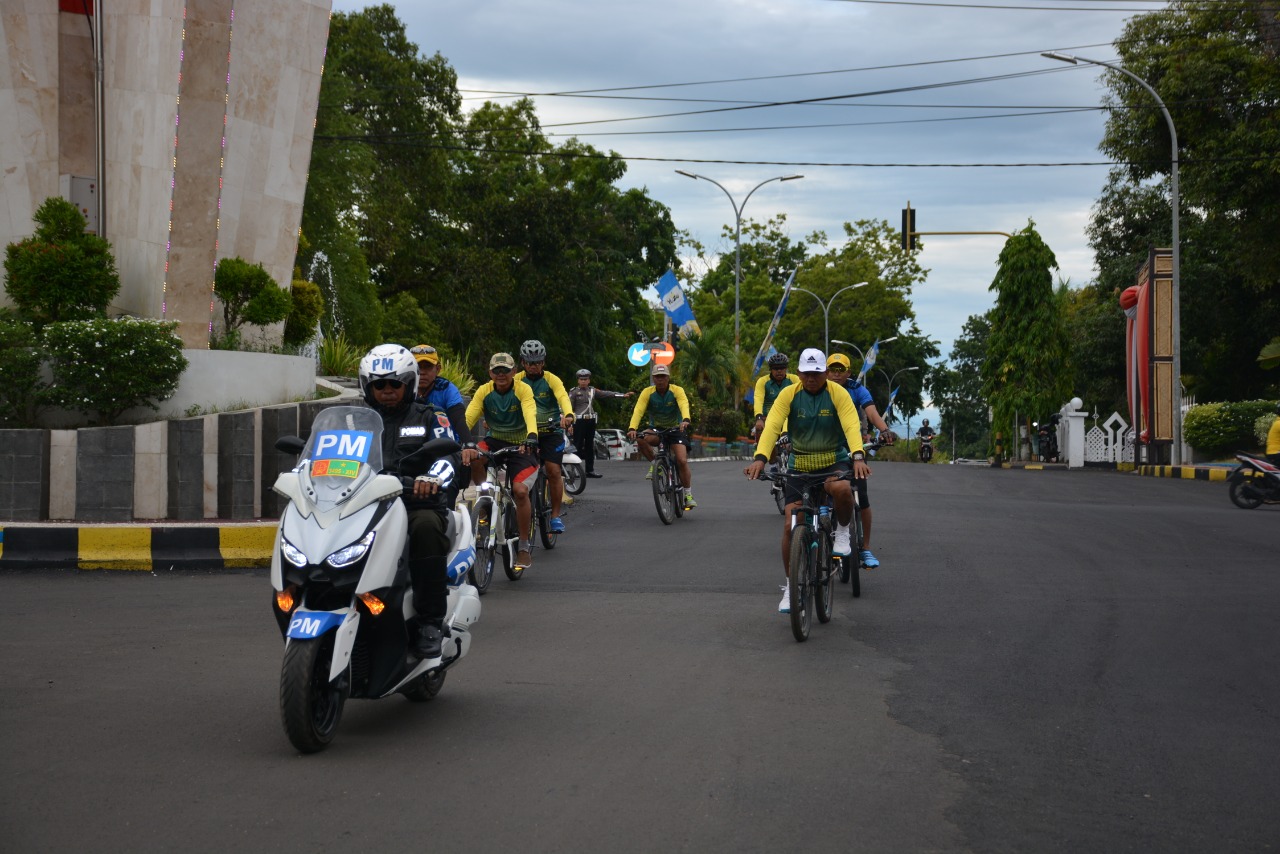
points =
(861, 357)
(737, 243)
(895, 376)
(826, 309)
(1176, 296)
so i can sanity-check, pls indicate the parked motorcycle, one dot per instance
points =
(1254, 482)
(1047, 440)
(341, 579)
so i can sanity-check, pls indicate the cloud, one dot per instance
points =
(573, 45)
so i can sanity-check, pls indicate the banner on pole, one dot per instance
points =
(869, 362)
(674, 304)
(766, 347)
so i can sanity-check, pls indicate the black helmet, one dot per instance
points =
(779, 360)
(925, 423)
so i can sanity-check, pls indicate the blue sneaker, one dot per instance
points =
(868, 559)
(557, 526)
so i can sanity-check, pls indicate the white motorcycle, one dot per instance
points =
(340, 572)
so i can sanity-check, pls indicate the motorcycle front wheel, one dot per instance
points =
(575, 478)
(1243, 494)
(310, 705)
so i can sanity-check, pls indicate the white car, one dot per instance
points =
(616, 445)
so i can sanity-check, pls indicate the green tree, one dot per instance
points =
(248, 295)
(1027, 372)
(60, 272)
(306, 306)
(956, 389)
(706, 365)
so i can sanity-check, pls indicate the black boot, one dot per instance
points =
(431, 601)
(428, 642)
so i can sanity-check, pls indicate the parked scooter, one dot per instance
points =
(340, 573)
(1047, 439)
(1254, 482)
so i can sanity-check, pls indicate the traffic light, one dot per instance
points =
(908, 229)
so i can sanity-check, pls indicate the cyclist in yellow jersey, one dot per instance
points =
(769, 386)
(553, 405)
(1273, 439)
(508, 408)
(826, 436)
(668, 408)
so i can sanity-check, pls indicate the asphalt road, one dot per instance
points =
(1046, 661)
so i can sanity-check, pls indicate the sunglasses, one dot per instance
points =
(379, 385)
(838, 369)
(422, 350)
(502, 372)
(535, 364)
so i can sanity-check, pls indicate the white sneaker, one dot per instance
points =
(840, 545)
(784, 607)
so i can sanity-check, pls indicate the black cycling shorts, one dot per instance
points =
(793, 495)
(551, 446)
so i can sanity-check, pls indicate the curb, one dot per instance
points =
(138, 548)
(1214, 473)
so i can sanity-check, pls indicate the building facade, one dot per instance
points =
(208, 116)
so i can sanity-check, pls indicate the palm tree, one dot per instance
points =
(708, 364)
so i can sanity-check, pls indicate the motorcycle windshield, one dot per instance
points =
(342, 454)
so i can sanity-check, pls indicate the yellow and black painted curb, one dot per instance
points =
(136, 547)
(1186, 472)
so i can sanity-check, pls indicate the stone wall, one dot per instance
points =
(209, 467)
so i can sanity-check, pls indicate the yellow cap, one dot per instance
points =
(838, 359)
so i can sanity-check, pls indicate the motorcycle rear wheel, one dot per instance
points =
(310, 705)
(1237, 491)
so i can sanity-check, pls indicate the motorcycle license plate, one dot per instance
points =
(305, 625)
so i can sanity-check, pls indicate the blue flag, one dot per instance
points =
(675, 305)
(766, 347)
(888, 410)
(869, 362)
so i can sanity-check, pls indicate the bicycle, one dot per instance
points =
(493, 518)
(784, 462)
(813, 566)
(668, 492)
(847, 575)
(540, 495)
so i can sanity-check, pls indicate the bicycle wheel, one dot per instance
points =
(481, 572)
(802, 553)
(824, 590)
(854, 560)
(542, 513)
(575, 479)
(511, 531)
(661, 494)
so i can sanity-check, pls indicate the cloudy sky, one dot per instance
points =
(898, 101)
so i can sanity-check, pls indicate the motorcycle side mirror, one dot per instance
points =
(290, 445)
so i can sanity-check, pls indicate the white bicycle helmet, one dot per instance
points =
(388, 362)
(533, 351)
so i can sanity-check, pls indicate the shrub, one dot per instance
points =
(60, 272)
(339, 357)
(455, 371)
(306, 306)
(404, 322)
(1217, 427)
(721, 422)
(108, 366)
(19, 371)
(249, 295)
(1262, 427)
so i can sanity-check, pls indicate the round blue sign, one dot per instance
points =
(638, 354)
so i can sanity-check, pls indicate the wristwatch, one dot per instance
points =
(858, 456)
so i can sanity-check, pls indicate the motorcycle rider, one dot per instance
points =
(389, 383)
(925, 433)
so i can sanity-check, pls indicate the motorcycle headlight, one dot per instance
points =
(290, 553)
(352, 553)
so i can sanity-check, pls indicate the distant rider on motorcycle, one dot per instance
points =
(389, 382)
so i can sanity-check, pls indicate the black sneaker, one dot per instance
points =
(593, 474)
(428, 643)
